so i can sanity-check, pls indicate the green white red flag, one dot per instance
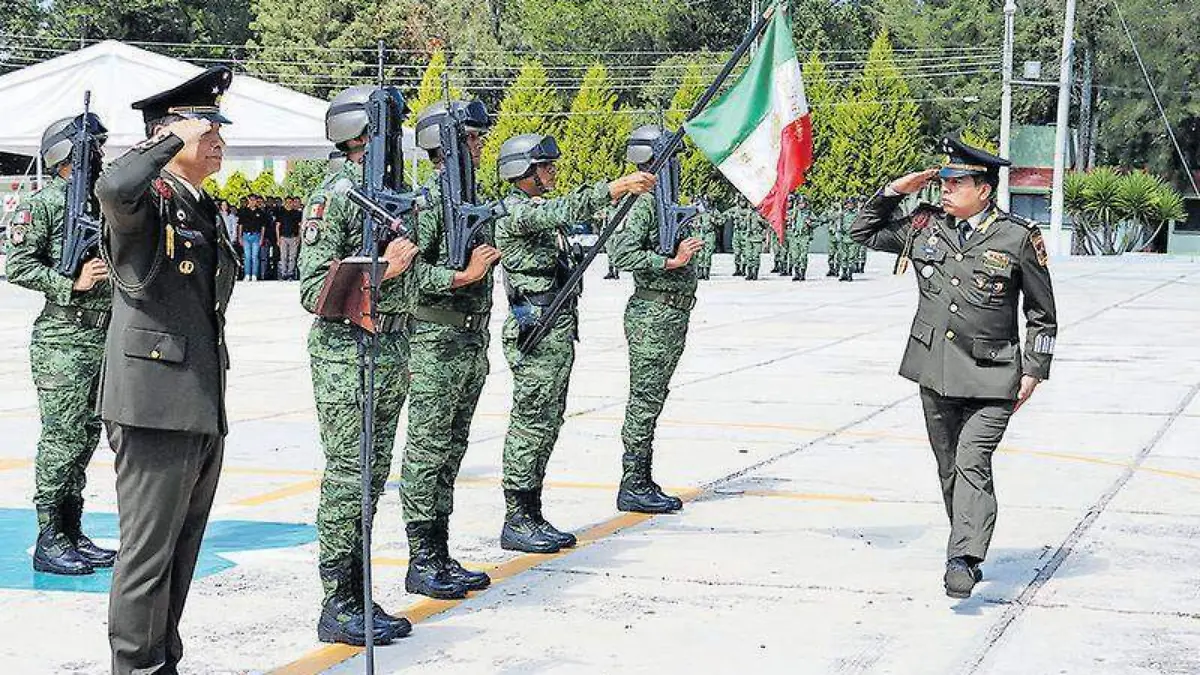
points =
(759, 132)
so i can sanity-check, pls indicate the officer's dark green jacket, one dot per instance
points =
(165, 359)
(965, 341)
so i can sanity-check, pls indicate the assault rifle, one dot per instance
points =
(674, 221)
(81, 226)
(462, 217)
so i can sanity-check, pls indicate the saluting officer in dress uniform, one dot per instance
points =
(163, 389)
(65, 352)
(974, 263)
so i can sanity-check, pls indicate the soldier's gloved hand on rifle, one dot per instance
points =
(687, 248)
(93, 272)
(482, 259)
(399, 255)
(637, 183)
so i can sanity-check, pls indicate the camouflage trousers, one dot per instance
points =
(65, 362)
(753, 255)
(798, 246)
(779, 252)
(739, 248)
(449, 367)
(333, 352)
(705, 255)
(656, 334)
(539, 402)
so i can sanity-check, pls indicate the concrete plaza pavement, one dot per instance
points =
(813, 540)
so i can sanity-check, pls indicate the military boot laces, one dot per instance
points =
(426, 575)
(54, 553)
(393, 627)
(474, 581)
(961, 576)
(637, 495)
(521, 531)
(564, 539)
(675, 502)
(87, 549)
(342, 622)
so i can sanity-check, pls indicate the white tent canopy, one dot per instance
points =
(268, 120)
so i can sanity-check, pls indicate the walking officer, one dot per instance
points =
(975, 264)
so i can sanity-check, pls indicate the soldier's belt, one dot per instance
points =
(387, 323)
(540, 299)
(88, 318)
(447, 317)
(676, 300)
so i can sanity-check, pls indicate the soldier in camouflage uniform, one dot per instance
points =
(861, 257)
(756, 231)
(706, 226)
(65, 353)
(829, 218)
(448, 341)
(850, 250)
(537, 260)
(801, 224)
(333, 231)
(656, 324)
(779, 254)
(733, 216)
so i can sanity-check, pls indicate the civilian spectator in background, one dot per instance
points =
(287, 232)
(252, 221)
(269, 265)
(228, 219)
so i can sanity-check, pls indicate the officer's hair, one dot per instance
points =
(153, 126)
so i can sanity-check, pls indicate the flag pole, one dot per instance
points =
(546, 321)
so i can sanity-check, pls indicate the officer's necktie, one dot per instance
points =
(964, 232)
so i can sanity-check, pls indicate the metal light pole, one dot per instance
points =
(1062, 123)
(1010, 11)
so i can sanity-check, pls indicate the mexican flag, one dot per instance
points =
(759, 133)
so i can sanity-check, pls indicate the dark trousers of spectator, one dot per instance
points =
(289, 253)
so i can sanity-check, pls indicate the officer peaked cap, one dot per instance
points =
(965, 160)
(198, 98)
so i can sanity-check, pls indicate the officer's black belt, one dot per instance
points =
(448, 317)
(88, 318)
(675, 300)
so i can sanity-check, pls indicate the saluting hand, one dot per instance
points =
(93, 272)
(638, 183)
(399, 255)
(687, 248)
(189, 130)
(906, 185)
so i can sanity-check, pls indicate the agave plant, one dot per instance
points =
(1117, 213)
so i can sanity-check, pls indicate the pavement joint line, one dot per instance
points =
(1027, 596)
(548, 571)
(1118, 610)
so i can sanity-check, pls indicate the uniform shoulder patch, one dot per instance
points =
(1039, 247)
(312, 232)
(16, 234)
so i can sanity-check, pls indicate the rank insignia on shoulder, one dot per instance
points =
(1039, 247)
(316, 209)
(312, 232)
(16, 234)
(23, 217)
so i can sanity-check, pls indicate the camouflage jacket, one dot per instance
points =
(333, 230)
(35, 242)
(532, 238)
(634, 248)
(799, 221)
(432, 274)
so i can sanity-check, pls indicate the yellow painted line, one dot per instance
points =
(8, 464)
(324, 658)
(808, 496)
(282, 493)
(1172, 473)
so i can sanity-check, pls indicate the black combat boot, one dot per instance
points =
(739, 272)
(54, 552)
(564, 539)
(474, 581)
(798, 276)
(426, 574)
(637, 493)
(394, 627)
(847, 275)
(752, 276)
(962, 573)
(832, 272)
(72, 519)
(342, 620)
(521, 531)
